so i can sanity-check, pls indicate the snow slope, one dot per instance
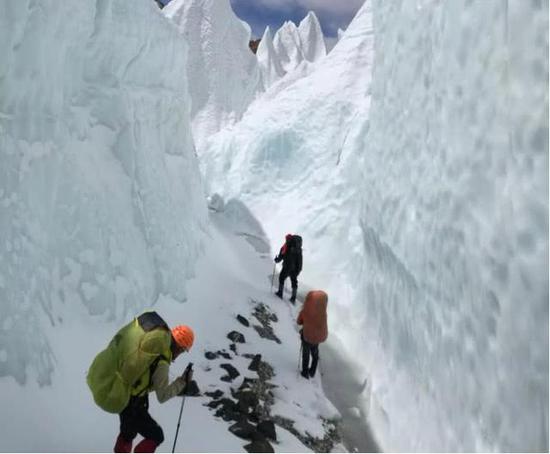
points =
(413, 160)
(238, 261)
(101, 208)
(223, 73)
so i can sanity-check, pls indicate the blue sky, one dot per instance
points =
(332, 14)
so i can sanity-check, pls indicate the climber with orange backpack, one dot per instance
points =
(135, 363)
(291, 255)
(313, 318)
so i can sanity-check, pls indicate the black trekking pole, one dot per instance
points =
(189, 375)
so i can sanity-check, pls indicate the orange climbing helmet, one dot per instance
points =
(184, 336)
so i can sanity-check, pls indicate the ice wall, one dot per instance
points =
(455, 225)
(100, 201)
(223, 74)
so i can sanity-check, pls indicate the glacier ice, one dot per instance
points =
(101, 206)
(268, 60)
(294, 45)
(288, 46)
(311, 38)
(413, 160)
(223, 73)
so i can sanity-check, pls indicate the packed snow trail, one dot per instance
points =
(232, 277)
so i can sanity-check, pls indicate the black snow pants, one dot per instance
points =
(307, 350)
(135, 419)
(293, 279)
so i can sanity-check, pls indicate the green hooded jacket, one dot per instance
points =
(124, 368)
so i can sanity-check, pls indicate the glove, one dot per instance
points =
(187, 377)
(188, 373)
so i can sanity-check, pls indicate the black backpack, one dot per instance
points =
(294, 249)
(296, 244)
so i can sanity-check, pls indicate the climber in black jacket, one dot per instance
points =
(291, 255)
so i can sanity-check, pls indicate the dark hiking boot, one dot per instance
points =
(311, 373)
(305, 374)
(279, 292)
(293, 296)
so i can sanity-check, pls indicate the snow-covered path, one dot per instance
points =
(232, 278)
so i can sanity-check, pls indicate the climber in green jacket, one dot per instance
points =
(135, 363)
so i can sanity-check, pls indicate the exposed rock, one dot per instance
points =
(255, 363)
(228, 410)
(247, 399)
(233, 348)
(242, 429)
(259, 446)
(224, 354)
(253, 44)
(232, 373)
(243, 320)
(267, 427)
(265, 371)
(265, 317)
(214, 394)
(210, 355)
(213, 404)
(249, 383)
(266, 333)
(235, 336)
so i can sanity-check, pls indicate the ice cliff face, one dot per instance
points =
(413, 160)
(223, 73)
(455, 223)
(100, 196)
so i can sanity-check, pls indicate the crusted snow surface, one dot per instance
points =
(101, 207)
(223, 74)
(413, 160)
